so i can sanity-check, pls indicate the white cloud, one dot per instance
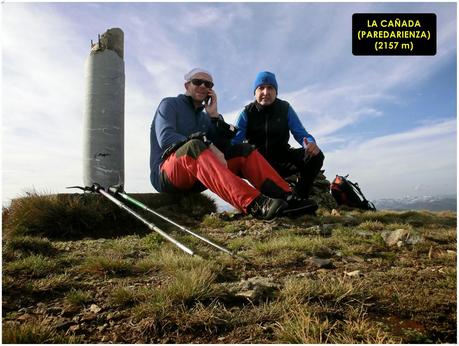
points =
(42, 100)
(43, 83)
(393, 165)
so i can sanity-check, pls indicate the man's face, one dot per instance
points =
(198, 92)
(265, 94)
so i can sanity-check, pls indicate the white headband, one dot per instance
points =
(195, 71)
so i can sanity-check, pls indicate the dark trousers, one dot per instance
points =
(292, 162)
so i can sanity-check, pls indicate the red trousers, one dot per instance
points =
(195, 163)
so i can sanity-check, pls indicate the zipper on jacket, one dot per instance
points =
(266, 131)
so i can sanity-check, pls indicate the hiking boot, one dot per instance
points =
(299, 206)
(266, 208)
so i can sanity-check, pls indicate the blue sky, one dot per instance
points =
(390, 122)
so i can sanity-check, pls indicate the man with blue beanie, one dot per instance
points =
(267, 123)
(190, 151)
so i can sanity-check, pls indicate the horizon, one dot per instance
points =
(388, 121)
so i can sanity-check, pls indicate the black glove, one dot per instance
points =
(201, 136)
(223, 129)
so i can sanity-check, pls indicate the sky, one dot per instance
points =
(389, 121)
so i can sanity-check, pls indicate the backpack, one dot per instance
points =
(348, 193)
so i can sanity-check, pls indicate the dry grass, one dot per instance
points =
(154, 293)
(330, 290)
(35, 333)
(301, 326)
(71, 216)
(108, 264)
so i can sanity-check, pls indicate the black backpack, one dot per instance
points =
(348, 193)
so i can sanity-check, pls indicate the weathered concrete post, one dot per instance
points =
(103, 151)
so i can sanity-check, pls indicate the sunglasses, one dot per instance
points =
(199, 82)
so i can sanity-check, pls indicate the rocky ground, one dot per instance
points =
(342, 276)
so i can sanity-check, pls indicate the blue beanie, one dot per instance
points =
(265, 77)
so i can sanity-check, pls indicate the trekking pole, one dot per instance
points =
(144, 207)
(152, 226)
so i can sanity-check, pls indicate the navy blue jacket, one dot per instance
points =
(175, 119)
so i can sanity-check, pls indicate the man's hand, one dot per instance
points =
(211, 106)
(310, 148)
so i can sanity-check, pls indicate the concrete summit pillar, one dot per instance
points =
(103, 119)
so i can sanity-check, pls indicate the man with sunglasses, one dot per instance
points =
(187, 138)
(267, 123)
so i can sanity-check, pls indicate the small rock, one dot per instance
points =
(313, 229)
(251, 294)
(54, 310)
(414, 239)
(327, 228)
(76, 318)
(335, 212)
(102, 328)
(450, 252)
(353, 273)
(88, 317)
(324, 263)
(69, 310)
(349, 220)
(324, 252)
(355, 259)
(94, 308)
(392, 238)
(221, 338)
(255, 288)
(24, 317)
(63, 323)
(74, 328)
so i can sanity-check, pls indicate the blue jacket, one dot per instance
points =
(269, 128)
(175, 119)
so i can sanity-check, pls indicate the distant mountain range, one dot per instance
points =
(432, 203)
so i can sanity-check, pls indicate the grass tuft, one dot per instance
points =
(30, 245)
(193, 285)
(34, 266)
(35, 333)
(336, 291)
(60, 282)
(300, 326)
(75, 215)
(128, 296)
(109, 264)
(78, 297)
